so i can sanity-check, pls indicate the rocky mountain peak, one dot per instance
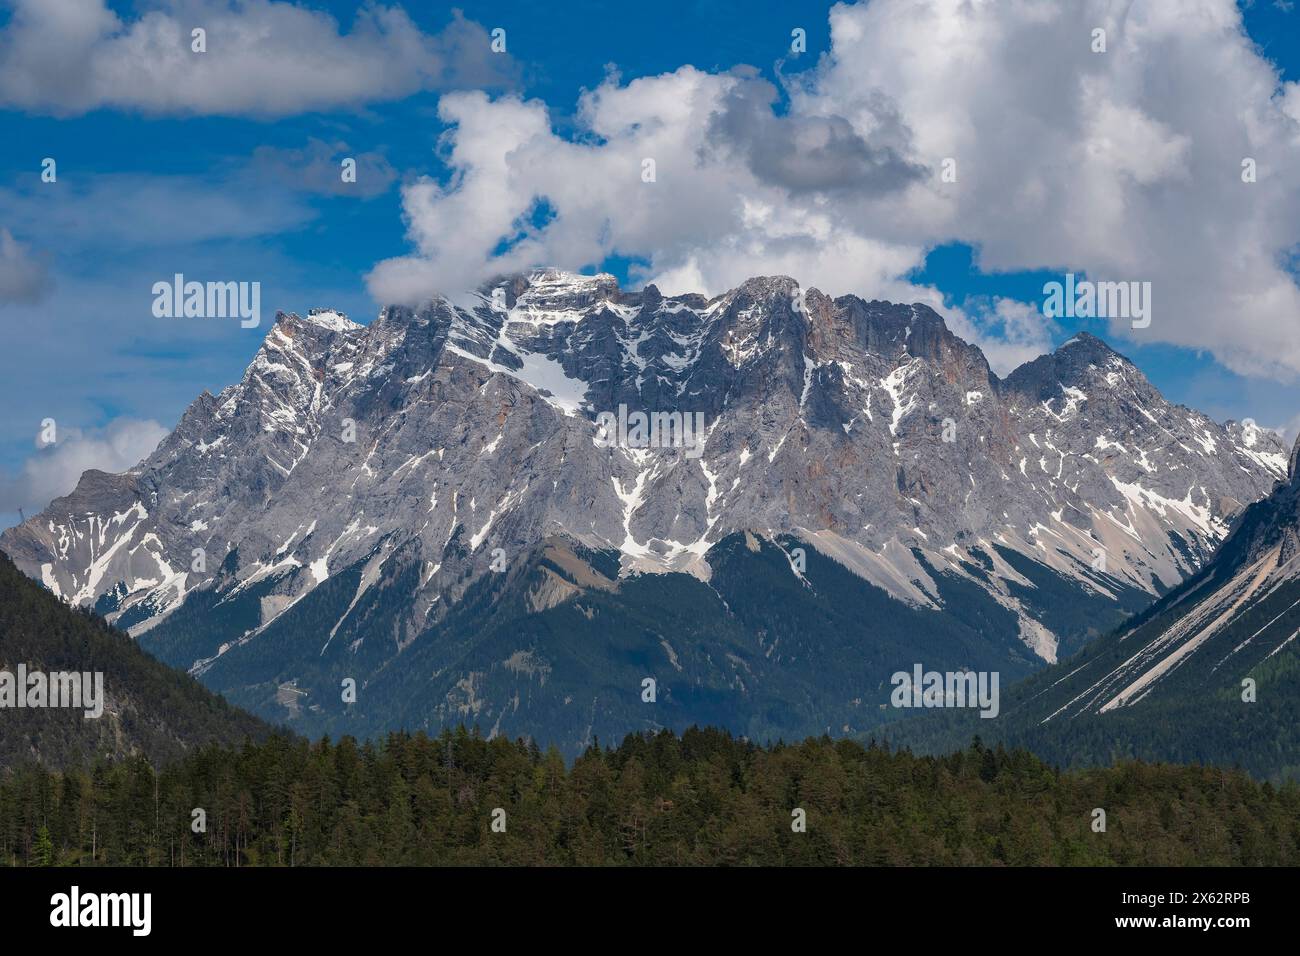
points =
(316, 322)
(552, 294)
(439, 435)
(1084, 362)
(765, 289)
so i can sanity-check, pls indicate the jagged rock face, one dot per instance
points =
(433, 437)
(1268, 531)
(1186, 660)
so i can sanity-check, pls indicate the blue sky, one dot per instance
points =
(157, 176)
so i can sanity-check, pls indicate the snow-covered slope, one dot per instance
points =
(1207, 674)
(1240, 611)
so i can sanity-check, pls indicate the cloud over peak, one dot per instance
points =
(55, 469)
(1125, 164)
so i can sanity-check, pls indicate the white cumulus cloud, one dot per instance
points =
(1125, 165)
(55, 469)
(262, 58)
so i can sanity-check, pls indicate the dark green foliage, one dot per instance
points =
(704, 798)
(204, 623)
(1195, 714)
(150, 710)
(1075, 616)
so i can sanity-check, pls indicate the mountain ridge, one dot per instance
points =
(1205, 674)
(440, 441)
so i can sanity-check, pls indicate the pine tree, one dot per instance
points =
(43, 848)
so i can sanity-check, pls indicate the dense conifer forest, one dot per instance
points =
(704, 798)
(173, 776)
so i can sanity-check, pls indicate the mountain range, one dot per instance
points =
(1210, 673)
(434, 509)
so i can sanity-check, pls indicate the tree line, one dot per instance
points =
(701, 798)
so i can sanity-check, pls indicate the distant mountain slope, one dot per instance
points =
(1172, 683)
(348, 507)
(558, 648)
(149, 709)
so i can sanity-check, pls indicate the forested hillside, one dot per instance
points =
(149, 709)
